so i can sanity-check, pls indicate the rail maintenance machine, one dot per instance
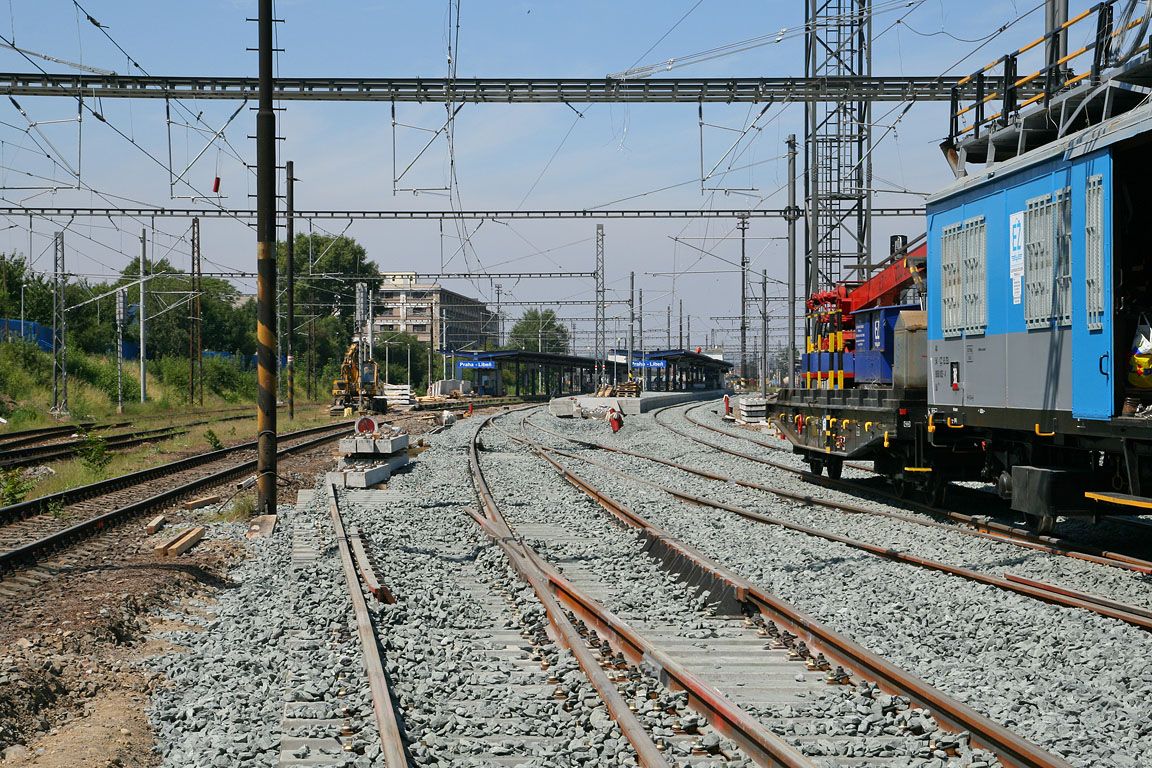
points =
(1011, 344)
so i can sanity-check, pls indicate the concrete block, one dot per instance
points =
(261, 526)
(367, 475)
(368, 445)
(336, 478)
(563, 407)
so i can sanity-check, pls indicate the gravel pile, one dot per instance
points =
(1074, 682)
(845, 722)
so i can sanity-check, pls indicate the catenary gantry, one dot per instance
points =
(497, 90)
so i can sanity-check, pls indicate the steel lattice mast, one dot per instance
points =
(838, 142)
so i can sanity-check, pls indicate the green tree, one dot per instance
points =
(394, 349)
(539, 331)
(326, 268)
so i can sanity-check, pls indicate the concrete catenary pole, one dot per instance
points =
(764, 333)
(681, 344)
(643, 346)
(631, 324)
(265, 272)
(140, 315)
(743, 297)
(290, 266)
(792, 214)
(121, 308)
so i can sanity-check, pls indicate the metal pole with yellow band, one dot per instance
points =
(265, 274)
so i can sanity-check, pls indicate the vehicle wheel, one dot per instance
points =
(937, 491)
(835, 468)
(900, 487)
(1041, 524)
(816, 466)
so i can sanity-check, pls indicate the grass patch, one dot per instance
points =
(241, 510)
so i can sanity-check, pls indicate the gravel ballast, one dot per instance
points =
(829, 723)
(1072, 681)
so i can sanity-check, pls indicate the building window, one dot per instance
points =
(1047, 262)
(389, 294)
(963, 278)
(419, 328)
(1094, 252)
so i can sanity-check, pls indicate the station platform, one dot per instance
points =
(630, 406)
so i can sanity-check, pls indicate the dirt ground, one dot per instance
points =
(73, 687)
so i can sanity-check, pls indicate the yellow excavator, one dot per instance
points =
(358, 384)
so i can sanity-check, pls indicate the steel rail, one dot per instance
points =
(1059, 596)
(1013, 750)
(647, 753)
(40, 505)
(843, 506)
(758, 742)
(24, 436)
(32, 552)
(39, 454)
(495, 90)
(998, 531)
(383, 707)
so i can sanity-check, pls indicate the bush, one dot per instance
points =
(22, 367)
(173, 374)
(225, 379)
(97, 372)
(213, 440)
(14, 486)
(94, 453)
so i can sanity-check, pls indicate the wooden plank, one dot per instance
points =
(182, 542)
(190, 538)
(155, 525)
(204, 501)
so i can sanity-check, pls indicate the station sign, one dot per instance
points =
(649, 363)
(476, 364)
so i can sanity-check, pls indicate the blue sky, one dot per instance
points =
(507, 156)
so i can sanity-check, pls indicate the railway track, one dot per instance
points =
(1138, 616)
(39, 434)
(34, 530)
(24, 456)
(980, 525)
(516, 696)
(771, 616)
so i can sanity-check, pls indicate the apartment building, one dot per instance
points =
(432, 313)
